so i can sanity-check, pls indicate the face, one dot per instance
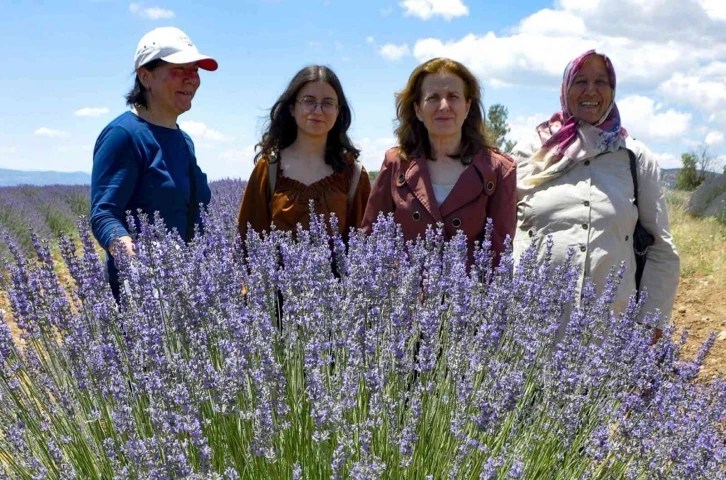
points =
(171, 87)
(590, 94)
(443, 106)
(315, 109)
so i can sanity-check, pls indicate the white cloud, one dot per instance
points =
(716, 9)
(644, 119)
(49, 132)
(200, 131)
(521, 128)
(539, 59)
(394, 52)
(153, 13)
(236, 162)
(667, 160)
(91, 111)
(74, 148)
(373, 150)
(370, 39)
(553, 22)
(689, 142)
(425, 9)
(8, 149)
(243, 154)
(651, 20)
(701, 89)
(714, 138)
(651, 40)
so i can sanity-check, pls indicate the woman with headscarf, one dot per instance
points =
(575, 183)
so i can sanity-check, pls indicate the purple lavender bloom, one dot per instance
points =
(371, 358)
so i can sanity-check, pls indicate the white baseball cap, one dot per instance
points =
(171, 45)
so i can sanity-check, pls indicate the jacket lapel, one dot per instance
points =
(468, 188)
(419, 180)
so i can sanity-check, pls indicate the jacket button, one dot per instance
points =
(401, 178)
(627, 237)
(456, 222)
(531, 233)
(586, 203)
(416, 216)
(490, 186)
(583, 248)
(587, 162)
(584, 226)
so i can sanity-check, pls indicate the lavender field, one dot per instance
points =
(296, 356)
(48, 211)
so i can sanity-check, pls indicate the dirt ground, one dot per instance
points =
(701, 308)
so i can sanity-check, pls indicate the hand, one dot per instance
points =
(124, 242)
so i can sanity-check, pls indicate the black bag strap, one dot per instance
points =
(192, 206)
(272, 164)
(634, 173)
(357, 168)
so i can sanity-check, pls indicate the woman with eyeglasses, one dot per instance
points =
(305, 154)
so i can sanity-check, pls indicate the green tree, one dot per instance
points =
(705, 160)
(688, 177)
(498, 128)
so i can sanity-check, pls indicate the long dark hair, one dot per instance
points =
(413, 138)
(281, 130)
(137, 95)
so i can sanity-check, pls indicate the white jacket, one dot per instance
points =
(590, 207)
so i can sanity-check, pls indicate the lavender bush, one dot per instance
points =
(48, 211)
(295, 357)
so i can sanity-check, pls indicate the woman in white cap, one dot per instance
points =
(142, 160)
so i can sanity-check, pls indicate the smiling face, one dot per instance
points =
(443, 106)
(171, 87)
(590, 94)
(315, 109)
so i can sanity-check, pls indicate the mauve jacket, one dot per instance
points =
(486, 189)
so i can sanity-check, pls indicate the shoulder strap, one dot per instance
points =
(354, 181)
(192, 207)
(272, 163)
(634, 173)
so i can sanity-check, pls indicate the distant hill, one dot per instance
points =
(668, 177)
(9, 178)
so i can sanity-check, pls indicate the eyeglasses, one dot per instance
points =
(309, 105)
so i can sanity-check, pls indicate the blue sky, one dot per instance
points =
(68, 65)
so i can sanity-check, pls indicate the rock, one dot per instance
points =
(721, 337)
(709, 199)
(682, 310)
(705, 319)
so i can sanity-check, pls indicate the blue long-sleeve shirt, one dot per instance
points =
(139, 165)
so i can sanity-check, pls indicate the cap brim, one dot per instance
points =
(204, 62)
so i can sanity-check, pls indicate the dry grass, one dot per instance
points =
(701, 242)
(701, 299)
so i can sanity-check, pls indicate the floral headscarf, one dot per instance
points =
(566, 140)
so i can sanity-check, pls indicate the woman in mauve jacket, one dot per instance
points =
(443, 169)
